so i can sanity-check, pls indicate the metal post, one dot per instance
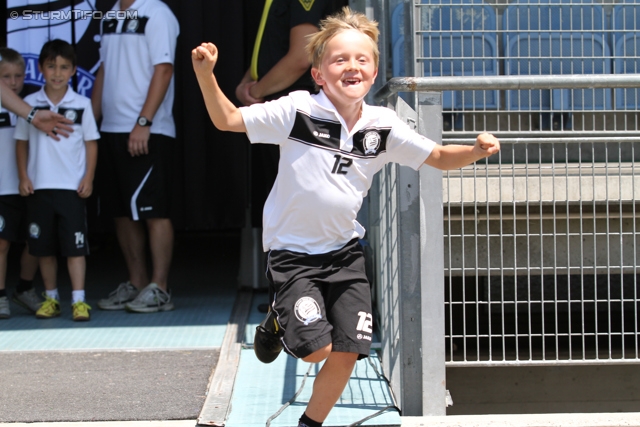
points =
(432, 263)
(410, 290)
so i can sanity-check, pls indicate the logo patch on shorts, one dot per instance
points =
(34, 230)
(1, 223)
(307, 310)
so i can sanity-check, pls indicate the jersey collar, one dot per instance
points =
(323, 101)
(41, 97)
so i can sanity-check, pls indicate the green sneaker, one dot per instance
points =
(81, 311)
(49, 308)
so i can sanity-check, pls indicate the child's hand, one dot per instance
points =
(204, 58)
(85, 188)
(25, 187)
(486, 145)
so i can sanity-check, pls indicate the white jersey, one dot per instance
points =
(325, 170)
(59, 164)
(129, 50)
(9, 181)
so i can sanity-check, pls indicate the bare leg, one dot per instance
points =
(330, 383)
(161, 243)
(28, 265)
(49, 272)
(131, 236)
(77, 266)
(4, 253)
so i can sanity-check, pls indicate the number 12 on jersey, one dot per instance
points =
(341, 164)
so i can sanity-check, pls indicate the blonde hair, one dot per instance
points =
(344, 20)
(10, 56)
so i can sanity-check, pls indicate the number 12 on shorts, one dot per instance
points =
(365, 322)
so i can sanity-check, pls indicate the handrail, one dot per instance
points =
(558, 81)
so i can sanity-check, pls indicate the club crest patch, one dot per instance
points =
(34, 230)
(132, 26)
(371, 142)
(72, 114)
(307, 310)
(307, 4)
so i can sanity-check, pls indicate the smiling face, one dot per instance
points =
(12, 75)
(347, 69)
(57, 72)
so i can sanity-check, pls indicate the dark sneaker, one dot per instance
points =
(266, 342)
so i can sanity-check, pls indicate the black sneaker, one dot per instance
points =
(266, 342)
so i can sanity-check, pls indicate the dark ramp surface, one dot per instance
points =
(104, 386)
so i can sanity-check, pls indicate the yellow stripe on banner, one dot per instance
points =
(256, 47)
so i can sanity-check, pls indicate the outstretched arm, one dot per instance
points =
(51, 123)
(224, 115)
(449, 157)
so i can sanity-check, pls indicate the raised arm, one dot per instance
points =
(447, 157)
(224, 115)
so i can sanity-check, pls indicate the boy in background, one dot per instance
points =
(331, 145)
(57, 177)
(12, 206)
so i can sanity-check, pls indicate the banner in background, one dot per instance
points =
(31, 23)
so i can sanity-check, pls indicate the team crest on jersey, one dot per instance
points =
(307, 4)
(34, 230)
(307, 310)
(132, 26)
(371, 142)
(1, 223)
(72, 114)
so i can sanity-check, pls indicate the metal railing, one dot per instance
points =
(540, 249)
(497, 38)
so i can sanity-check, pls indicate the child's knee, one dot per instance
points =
(318, 355)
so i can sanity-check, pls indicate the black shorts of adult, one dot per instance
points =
(13, 219)
(322, 299)
(57, 223)
(137, 187)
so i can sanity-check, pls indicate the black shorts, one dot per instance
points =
(57, 223)
(13, 223)
(322, 299)
(136, 187)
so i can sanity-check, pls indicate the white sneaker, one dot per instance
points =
(150, 300)
(28, 300)
(117, 299)
(4, 308)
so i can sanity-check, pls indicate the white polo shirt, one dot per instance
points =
(9, 181)
(129, 50)
(325, 170)
(59, 164)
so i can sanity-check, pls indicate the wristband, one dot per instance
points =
(31, 115)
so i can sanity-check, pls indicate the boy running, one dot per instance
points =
(331, 145)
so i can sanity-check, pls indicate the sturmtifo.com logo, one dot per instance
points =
(72, 14)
